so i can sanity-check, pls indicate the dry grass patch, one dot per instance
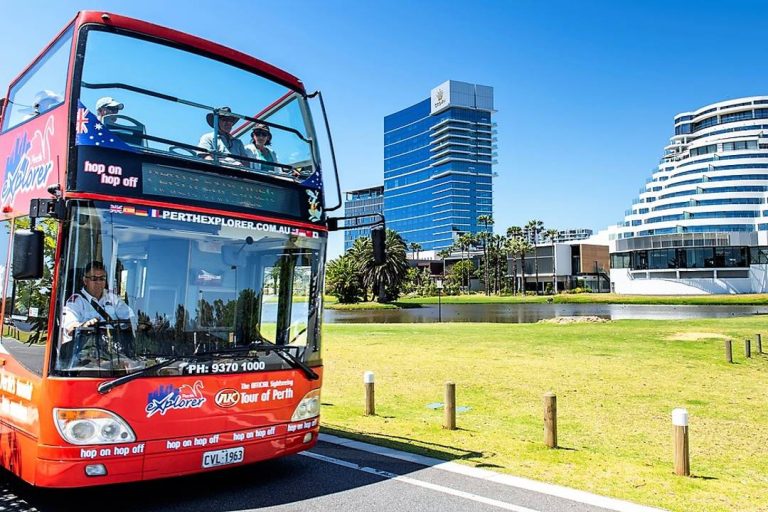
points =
(697, 336)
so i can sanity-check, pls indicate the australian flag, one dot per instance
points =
(315, 180)
(92, 132)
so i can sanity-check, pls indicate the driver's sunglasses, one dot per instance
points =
(96, 278)
(111, 110)
(260, 133)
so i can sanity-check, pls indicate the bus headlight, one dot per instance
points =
(92, 426)
(309, 407)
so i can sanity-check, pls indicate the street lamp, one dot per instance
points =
(439, 285)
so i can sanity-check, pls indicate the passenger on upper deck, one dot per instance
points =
(106, 106)
(226, 143)
(262, 138)
(44, 101)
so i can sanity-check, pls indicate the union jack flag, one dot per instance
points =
(81, 125)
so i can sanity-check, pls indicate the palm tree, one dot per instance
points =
(465, 242)
(415, 248)
(523, 247)
(514, 233)
(486, 220)
(384, 280)
(535, 227)
(497, 257)
(551, 235)
(444, 254)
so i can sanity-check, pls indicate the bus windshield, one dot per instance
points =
(156, 97)
(141, 285)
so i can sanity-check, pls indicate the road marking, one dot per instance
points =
(408, 480)
(558, 491)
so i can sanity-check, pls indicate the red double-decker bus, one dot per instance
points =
(161, 270)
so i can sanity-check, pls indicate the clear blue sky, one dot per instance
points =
(585, 91)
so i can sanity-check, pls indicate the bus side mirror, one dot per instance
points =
(27, 254)
(378, 238)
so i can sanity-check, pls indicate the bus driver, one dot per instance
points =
(94, 303)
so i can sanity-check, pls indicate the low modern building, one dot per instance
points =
(700, 223)
(367, 202)
(563, 266)
(438, 165)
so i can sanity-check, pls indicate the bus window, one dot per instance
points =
(29, 299)
(5, 282)
(42, 87)
(193, 283)
(167, 103)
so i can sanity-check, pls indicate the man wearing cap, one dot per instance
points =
(106, 106)
(44, 101)
(226, 144)
(259, 149)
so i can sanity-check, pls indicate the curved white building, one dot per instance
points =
(700, 223)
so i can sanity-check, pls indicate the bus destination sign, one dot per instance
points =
(165, 181)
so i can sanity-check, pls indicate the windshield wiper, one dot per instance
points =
(105, 387)
(284, 352)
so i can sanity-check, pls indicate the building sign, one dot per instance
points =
(440, 97)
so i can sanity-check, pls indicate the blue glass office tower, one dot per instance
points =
(438, 165)
(368, 202)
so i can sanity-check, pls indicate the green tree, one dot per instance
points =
(485, 220)
(442, 255)
(535, 227)
(465, 242)
(461, 273)
(415, 248)
(497, 261)
(386, 280)
(551, 235)
(412, 280)
(427, 287)
(514, 234)
(342, 280)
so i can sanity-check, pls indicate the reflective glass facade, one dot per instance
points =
(712, 177)
(438, 165)
(699, 222)
(362, 202)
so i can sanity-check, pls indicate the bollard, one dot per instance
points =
(759, 343)
(370, 405)
(682, 460)
(747, 348)
(728, 351)
(449, 421)
(550, 420)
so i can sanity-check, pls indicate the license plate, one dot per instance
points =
(223, 457)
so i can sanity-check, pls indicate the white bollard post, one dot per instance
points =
(682, 460)
(370, 406)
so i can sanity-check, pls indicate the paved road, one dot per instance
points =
(335, 477)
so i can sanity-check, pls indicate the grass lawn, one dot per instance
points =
(616, 385)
